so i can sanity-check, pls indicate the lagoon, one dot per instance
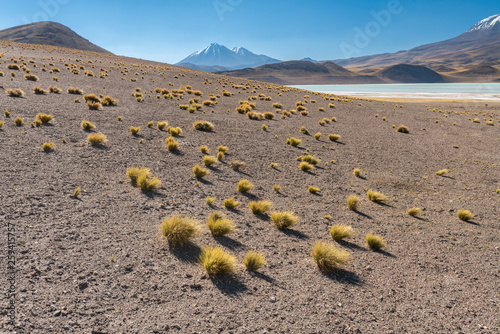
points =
(442, 91)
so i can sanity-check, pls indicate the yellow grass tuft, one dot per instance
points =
(341, 231)
(305, 166)
(334, 137)
(15, 92)
(18, 121)
(283, 220)
(317, 136)
(203, 126)
(1, 124)
(146, 183)
(209, 160)
(465, 215)
(135, 130)
(293, 141)
(204, 149)
(31, 77)
(216, 261)
(415, 211)
(219, 225)
(260, 207)
(313, 190)
(254, 261)
(376, 196)
(109, 101)
(199, 172)
(44, 118)
(179, 230)
(403, 129)
(244, 186)
(374, 241)
(134, 172)
(223, 149)
(162, 125)
(327, 257)
(76, 91)
(96, 139)
(230, 203)
(352, 202)
(47, 147)
(87, 126)
(442, 172)
(94, 105)
(210, 200)
(172, 144)
(357, 172)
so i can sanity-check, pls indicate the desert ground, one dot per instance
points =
(97, 263)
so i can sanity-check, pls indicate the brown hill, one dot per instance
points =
(411, 74)
(49, 33)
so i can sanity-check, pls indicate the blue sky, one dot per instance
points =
(168, 30)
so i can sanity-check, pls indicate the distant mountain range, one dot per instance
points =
(216, 57)
(49, 33)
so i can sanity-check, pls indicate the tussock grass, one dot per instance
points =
(199, 172)
(31, 77)
(133, 173)
(415, 211)
(135, 130)
(220, 155)
(219, 225)
(223, 149)
(268, 115)
(403, 129)
(277, 105)
(375, 242)
(442, 172)
(284, 219)
(253, 115)
(94, 105)
(264, 127)
(147, 183)
(179, 230)
(162, 125)
(237, 165)
(309, 158)
(293, 141)
(55, 89)
(47, 147)
(2, 124)
(352, 202)
(327, 257)
(75, 90)
(209, 160)
(44, 118)
(465, 215)
(274, 165)
(376, 196)
(277, 188)
(260, 207)
(341, 231)
(87, 126)
(210, 200)
(174, 131)
(77, 192)
(305, 166)
(18, 121)
(204, 149)
(91, 97)
(6, 113)
(254, 261)
(172, 144)
(150, 124)
(313, 190)
(357, 172)
(317, 136)
(108, 101)
(39, 91)
(304, 130)
(15, 92)
(334, 137)
(96, 139)
(216, 261)
(230, 203)
(203, 126)
(244, 186)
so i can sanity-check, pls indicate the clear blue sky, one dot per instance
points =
(170, 30)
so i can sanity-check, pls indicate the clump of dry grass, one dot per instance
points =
(199, 172)
(223, 149)
(415, 211)
(375, 242)
(75, 90)
(91, 97)
(44, 118)
(352, 202)
(305, 166)
(465, 215)
(15, 92)
(442, 172)
(203, 126)
(334, 137)
(162, 125)
(403, 129)
(179, 230)
(94, 105)
(219, 225)
(109, 101)
(6, 113)
(87, 126)
(313, 190)
(77, 192)
(216, 261)
(135, 130)
(134, 172)
(327, 257)
(284, 219)
(204, 149)
(31, 77)
(39, 91)
(148, 183)
(96, 139)
(293, 141)
(304, 130)
(231, 203)
(174, 131)
(376, 196)
(172, 144)
(244, 186)
(1, 124)
(341, 231)
(220, 155)
(55, 89)
(210, 200)
(268, 115)
(260, 207)
(237, 165)
(309, 158)
(317, 136)
(254, 261)
(18, 121)
(47, 147)
(150, 124)
(209, 160)
(357, 172)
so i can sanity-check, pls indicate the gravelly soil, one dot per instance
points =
(97, 264)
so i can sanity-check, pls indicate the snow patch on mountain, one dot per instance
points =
(487, 23)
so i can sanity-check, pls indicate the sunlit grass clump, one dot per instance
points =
(254, 261)
(87, 126)
(210, 200)
(219, 225)
(357, 172)
(442, 172)
(293, 141)
(109, 101)
(209, 160)
(415, 211)
(327, 257)
(216, 261)
(174, 131)
(162, 125)
(47, 147)
(465, 215)
(172, 144)
(231, 203)
(18, 121)
(204, 149)
(374, 241)
(260, 207)
(341, 231)
(352, 202)
(244, 186)
(305, 166)
(334, 137)
(96, 139)
(203, 126)
(284, 219)
(376, 196)
(403, 129)
(134, 172)
(1, 124)
(141, 177)
(15, 92)
(199, 172)
(135, 130)
(179, 230)
(313, 190)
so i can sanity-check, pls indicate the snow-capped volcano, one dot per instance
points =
(487, 23)
(218, 55)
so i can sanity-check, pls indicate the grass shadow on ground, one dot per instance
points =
(363, 214)
(350, 245)
(229, 285)
(344, 276)
(229, 242)
(296, 234)
(385, 253)
(188, 253)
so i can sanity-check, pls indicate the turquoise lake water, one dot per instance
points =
(479, 91)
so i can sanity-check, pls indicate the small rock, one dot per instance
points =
(57, 313)
(273, 299)
(83, 285)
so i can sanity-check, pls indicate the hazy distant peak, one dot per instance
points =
(485, 24)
